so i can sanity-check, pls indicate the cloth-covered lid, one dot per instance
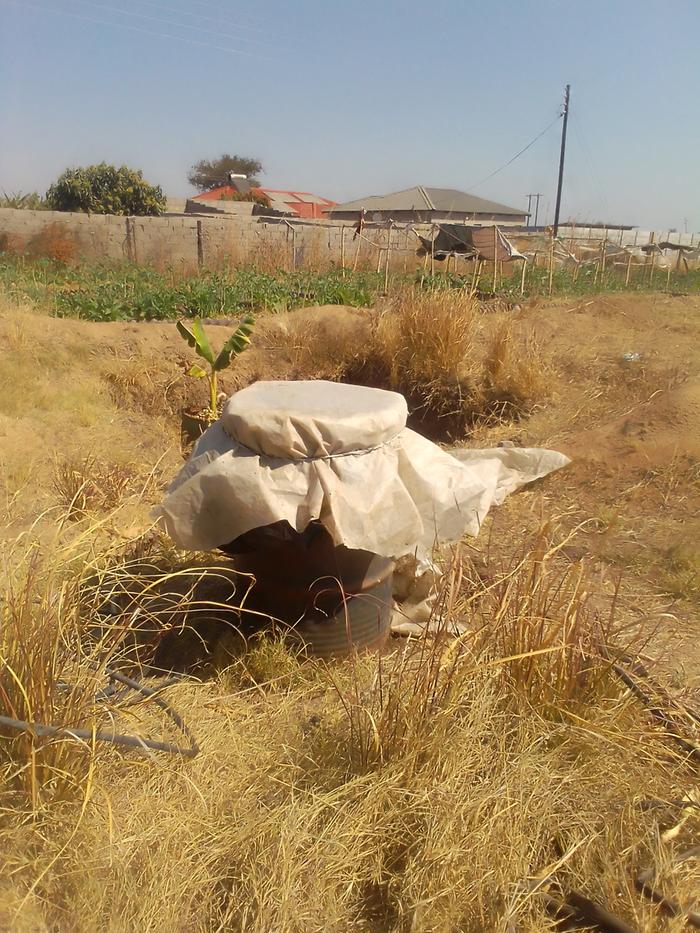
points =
(297, 420)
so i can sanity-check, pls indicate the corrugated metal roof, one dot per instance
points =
(422, 198)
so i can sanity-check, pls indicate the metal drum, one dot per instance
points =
(332, 601)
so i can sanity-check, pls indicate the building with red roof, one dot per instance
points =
(295, 203)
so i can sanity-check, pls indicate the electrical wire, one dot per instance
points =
(588, 158)
(210, 19)
(168, 22)
(23, 4)
(517, 154)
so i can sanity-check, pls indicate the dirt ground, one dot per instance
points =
(625, 406)
(356, 797)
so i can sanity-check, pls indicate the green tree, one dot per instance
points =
(105, 189)
(205, 174)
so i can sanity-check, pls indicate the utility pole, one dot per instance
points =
(529, 208)
(565, 114)
(537, 205)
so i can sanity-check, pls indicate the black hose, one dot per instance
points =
(116, 738)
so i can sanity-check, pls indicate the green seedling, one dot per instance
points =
(196, 337)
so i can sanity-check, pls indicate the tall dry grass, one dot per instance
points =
(433, 788)
(455, 363)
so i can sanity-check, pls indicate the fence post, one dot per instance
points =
(131, 239)
(200, 246)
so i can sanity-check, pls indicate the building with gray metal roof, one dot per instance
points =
(427, 205)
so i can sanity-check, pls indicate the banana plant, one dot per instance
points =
(196, 337)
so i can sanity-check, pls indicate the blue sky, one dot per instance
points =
(358, 97)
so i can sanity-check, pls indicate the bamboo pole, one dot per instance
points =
(522, 277)
(629, 270)
(668, 278)
(551, 263)
(386, 264)
(475, 278)
(357, 252)
(495, 257)
(342, 249)
(603, 257)
(432, 250)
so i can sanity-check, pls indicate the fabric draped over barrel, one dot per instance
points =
(339, 454)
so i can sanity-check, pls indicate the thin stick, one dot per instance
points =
(357, 253)
(475, 278)
(495, 257)
(551, 263)
(629, 270)
(342, 249)
(432, 250)
(200, 246)
(386, 266)
(522, 277)
(668, 277)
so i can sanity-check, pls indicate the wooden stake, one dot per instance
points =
(342, 249)
(603, 257)
(357, 253)
(432, 249)
(668, 278)
(522, 277)
(386, 265)
(200, 246)
(629, 270)
(476, 275)
(495, 257)
(551, 263)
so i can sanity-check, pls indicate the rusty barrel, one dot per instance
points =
(331, 600)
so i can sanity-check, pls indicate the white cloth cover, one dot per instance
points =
(302, 451)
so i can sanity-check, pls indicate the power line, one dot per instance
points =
(166, 22)
(517, 154)
(594, 176)
(148, 32)
(210, 19)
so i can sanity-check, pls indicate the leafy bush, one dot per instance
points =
(29, 201)
(105, 189)
(255, 195)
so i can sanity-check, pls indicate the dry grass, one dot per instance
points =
(86, 484)
(430, 790)
(421, 791)
(455, 363)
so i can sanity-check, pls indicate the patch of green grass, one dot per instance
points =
(135, 293)
(124, 293)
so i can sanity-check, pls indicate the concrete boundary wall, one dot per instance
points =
(186, 243)
(189, 242)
